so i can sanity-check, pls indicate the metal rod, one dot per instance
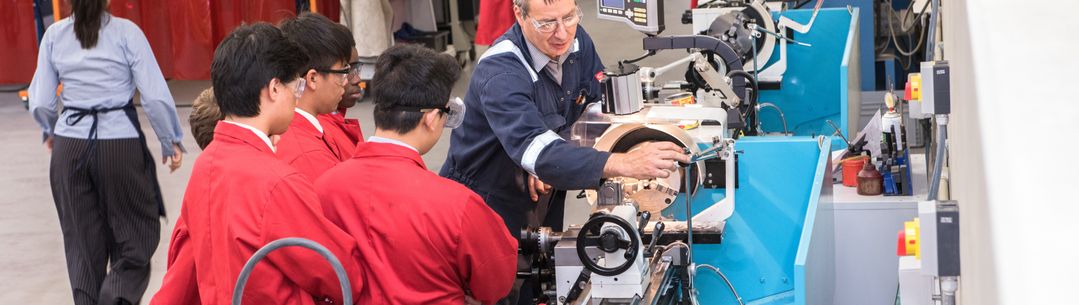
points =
(689, 228)
(756, 27)
(659, 71)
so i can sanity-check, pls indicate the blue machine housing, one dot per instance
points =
(822, 81)
(778, 247)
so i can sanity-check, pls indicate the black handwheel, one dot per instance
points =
(591, 235)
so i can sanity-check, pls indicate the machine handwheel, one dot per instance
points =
(593, 235)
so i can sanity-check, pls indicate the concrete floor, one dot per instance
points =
(32, 267)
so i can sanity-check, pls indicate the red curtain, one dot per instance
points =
(18, 41)
(182, 33)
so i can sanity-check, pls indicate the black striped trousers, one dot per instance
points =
(109, 217)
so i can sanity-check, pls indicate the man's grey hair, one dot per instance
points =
(523, 4)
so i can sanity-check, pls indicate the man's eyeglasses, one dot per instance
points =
(549, 26)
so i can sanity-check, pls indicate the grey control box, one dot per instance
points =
(936, 87)
(939, 237)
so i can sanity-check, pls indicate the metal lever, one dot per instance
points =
(643, 221)
(757, 28)
(655, 237)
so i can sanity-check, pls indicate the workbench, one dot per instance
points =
(865, 239)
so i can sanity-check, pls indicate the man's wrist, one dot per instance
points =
(613, 167)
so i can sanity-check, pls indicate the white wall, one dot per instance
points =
(1013, 132)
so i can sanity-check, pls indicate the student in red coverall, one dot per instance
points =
(345, 133)
(428, 239)
(241, 197)
(307, 146)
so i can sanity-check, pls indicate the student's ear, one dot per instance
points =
(275, 89)
(430, 120)
(312, 79)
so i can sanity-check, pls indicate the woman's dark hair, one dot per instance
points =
(87, 17)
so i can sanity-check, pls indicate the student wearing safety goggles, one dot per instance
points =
(344, 132)
(428, 239)
(241, 197)
(308, 145)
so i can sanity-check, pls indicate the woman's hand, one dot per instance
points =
(173, 161)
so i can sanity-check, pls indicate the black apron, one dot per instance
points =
(77, 114)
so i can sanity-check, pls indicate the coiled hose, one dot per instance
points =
(245, 273)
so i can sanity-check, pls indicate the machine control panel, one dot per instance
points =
(642, 15)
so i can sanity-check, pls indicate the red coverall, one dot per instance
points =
(427, 239)
(308, 150)
(342, 132)
(240, 198)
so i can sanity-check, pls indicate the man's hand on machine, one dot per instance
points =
(650, 161)
(537, 188)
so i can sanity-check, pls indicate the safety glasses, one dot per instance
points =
(297, 87)
(344, 73)
(354, 71)
(455, 108)
(549, 26)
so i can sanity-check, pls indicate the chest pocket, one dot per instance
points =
(547, 101)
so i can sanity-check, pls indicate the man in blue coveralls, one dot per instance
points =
(526, 92)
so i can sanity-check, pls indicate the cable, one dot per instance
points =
(245, 273)
(938, 163)
(891, 29)
(752, 80)
(933, 19)
(721, 275)
(906, 30)
(671, 245)
(839, 132)
(750, 102)
(646, 55)
(781, 116)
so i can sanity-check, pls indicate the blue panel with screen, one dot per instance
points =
(618, 4)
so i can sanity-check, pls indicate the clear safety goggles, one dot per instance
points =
(455, 109)
(297, 88)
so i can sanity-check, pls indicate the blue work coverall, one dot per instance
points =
(518, 122)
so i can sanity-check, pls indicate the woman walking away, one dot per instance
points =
(104, 181)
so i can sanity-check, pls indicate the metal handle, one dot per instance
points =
(656, 233)
(643, 221)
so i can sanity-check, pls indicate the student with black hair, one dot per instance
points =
(345, 132)
(103, 176)
(241, 197)
(307, 146)
(428, 239)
